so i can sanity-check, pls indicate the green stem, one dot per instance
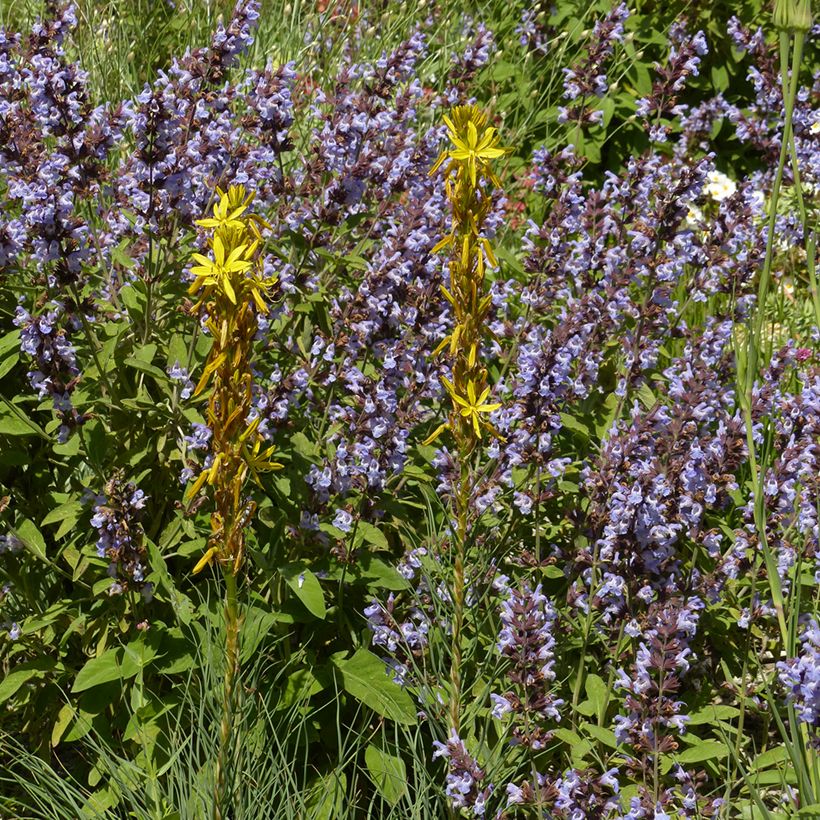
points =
(93, 344)
(755, 340)
(462, 504)
(223, 787)
(579, 673)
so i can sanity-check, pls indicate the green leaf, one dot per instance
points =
(10, 343)
(64, 718)
(647, 397)
(299, 688)
(327, 798)
(66, 514)
(597, 692)
(145, 367)
(373, 535)
(387, 772)
(771, 757)
(366, 678)
(568, 736)
(13, 425)
(712, 714)
(304, 446)
(306, 587)
(380, 575)
(8, 361)
(601, 734)
(571, 423)
(703, 750)
(22, 674)
(32, 539)
(112, 665)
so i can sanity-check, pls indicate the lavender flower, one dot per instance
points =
(120, 535)
(800, 676)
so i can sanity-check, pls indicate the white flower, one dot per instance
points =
(694, 217)
(719, 186)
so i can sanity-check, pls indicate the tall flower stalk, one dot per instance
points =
(232, 293)
(792, 19)
(470, 181)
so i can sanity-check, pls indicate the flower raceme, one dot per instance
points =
(231, 293)
(470, 180)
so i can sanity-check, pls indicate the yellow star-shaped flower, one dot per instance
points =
(217, 272)
(472, 151)
(471, 407)
(226, 213)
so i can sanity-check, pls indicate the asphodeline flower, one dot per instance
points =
(470, 407)
(257, 459)
(228, 210)
(474, 145)
(219, 271)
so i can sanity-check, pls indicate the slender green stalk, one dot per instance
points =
(755, 340)
(223, 788)
(459, 551)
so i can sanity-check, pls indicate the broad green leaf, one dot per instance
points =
(567, 736)
(112, 665)
(300, 687)
(10, 342)
(366, 678)
(146, 367)
(66, 514)
(571, 423)
(22, 674)
(32, 538)
(7, 362)
(327, 798)
(387, 772)
(380, 575)
(373, 535)
(306, 587)
(771, 757)
(11, 425)
(703, 750)
(601, 734)
(64, 718)
(597, 691)
(304, 446)
(713, 713)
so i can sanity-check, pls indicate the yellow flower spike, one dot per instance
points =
(455, 337)
(213, 471)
